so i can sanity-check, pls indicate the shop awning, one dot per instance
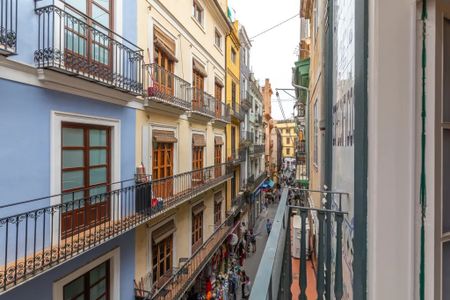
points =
(161, 136)
(163, 232)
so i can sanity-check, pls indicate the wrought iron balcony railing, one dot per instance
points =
(8, 26)
(237, 156)
(184, 277)
(222, 112)
(203, 102)
(258, 149)
(237, 111)
(246, 101)
(73, 43)
(60, 227)
(247, 136)
(165, 87)
(303, 240)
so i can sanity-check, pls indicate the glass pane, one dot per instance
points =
(75, 43)
(103, 3)
(446, 270)
(72, 179)
(97, 137)
(98, 290)
(72, 200)
(97, 157)
(445, 180)
(72, 137)
(97, 273)
(100, 15)
(72, 158)
(97, 175)
(74, 288)
(100, 54)
(78, 4)
(97, 194)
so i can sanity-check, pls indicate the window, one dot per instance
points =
(162, 259)
(198, 12)
(218, 157)
(218, 39)
(218, 208)
(164, 60)
(233, 95)
(197, 229)
(316, 134)
(288, 151)
(162, 163)
(288, 141)
(233, 55)
(85, 172)
(94, 284)
(198, 88)
(198, 144)
(82, 43)
(218, 98)
(244, 55)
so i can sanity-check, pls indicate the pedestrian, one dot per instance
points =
(253, 241)
(268, 226)
(243, 283)
(247, 288)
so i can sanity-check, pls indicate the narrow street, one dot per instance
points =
(252, 262)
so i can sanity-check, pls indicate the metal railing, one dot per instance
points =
(247, 136)
(185, 276)
(164, 86)
(258, 149)
(42, 233)
(222, 112)
(8, 26)
(246, 101)
(203, 102)
(237, 111)
(72, 42)
(316, 245)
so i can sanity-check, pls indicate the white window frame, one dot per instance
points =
(217, 32)
(201, 23)
(114, 275)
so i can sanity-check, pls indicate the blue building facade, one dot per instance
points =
(69, 86)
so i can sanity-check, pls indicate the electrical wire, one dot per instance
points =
(275, 26)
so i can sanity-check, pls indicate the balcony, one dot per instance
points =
(304, 256)
(246, 101)
(166, 88)
(38, 239)
(247, 138)
(8, 27)
(237, 112)
(237, 156)
(203, 104)
(222, 112)
(184, 277)
(257, 149)
(77, 45)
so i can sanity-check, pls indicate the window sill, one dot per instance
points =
(201, 26)
(218, 48)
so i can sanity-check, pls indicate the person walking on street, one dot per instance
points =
(268, 226)
(253, 241)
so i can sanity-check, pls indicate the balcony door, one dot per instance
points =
(162, 169)
(87, 44)
(218, 142)
(163, 79)
(198, 84)
(218, 96)
(85, 182)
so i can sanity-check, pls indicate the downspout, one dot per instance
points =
(423, 189)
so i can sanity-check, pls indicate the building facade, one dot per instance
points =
(68, 119)
(289, 137)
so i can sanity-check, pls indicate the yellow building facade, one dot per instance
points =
(233, 101)
(181, 131)
(288, 138)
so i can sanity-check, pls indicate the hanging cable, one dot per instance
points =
(275, 26)
(423, 189)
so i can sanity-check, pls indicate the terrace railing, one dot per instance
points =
(8, 26)
(203, 102)
(316, 247)
(180, 282)
(164, 86)
(222, 112)
(237, 111)
(73, 43)
(42, 233)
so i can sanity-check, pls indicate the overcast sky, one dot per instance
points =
(273, 54)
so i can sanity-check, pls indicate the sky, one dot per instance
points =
(273, 54)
